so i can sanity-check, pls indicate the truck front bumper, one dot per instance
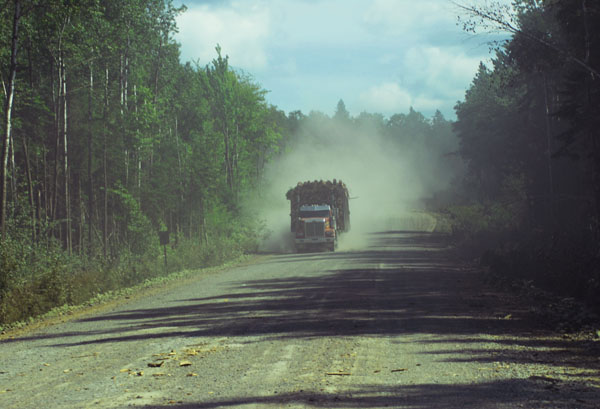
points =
(315, 240)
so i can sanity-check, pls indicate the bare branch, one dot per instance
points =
(497, 18)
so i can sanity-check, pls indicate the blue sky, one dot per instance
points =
(378, 56)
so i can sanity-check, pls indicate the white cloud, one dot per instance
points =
(405, 17)
(306, 23)
(429, 103)
(379, 55)
(440, 69)
(240, 29)
(388, 58)
(386, 98)
(408, 17)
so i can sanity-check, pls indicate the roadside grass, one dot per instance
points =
(42, 281)
(559, 267)
(127, 293)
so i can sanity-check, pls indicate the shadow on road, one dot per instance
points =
(425, 396)
(405, 283)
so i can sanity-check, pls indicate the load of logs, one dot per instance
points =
(333, 193)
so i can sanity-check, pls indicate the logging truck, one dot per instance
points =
(319, 212)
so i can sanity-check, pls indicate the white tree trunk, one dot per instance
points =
(8, 116)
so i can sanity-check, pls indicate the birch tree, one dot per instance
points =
(8, 108)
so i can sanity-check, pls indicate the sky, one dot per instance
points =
(378, 56)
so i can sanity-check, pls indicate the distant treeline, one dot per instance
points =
(529, 131)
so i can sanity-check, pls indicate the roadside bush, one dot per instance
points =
(30, 280)
(34, 278)
(477, 228)
(564, 264)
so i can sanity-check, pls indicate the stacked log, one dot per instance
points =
(333, 193)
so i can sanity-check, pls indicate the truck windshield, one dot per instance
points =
(314, 213)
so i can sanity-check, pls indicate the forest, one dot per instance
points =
(529, 130)
(108, 139)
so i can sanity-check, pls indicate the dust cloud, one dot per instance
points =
(385, 179)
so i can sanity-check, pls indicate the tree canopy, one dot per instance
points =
(529, 132)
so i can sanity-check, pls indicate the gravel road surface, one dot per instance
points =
(399, 323)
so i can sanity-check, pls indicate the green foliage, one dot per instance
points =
(31, 280)
(35, 280)
(475, 219)
(341, 114)
(138, 234)
(529, 131)
(560, 263)
(133, 143)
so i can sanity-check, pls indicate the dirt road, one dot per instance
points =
(397, 324)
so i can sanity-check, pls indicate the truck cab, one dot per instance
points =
(315, 227)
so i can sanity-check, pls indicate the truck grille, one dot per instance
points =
(315, 229)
